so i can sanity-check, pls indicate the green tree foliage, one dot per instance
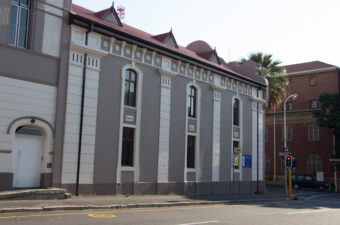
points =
(272, 71)
(329, 116)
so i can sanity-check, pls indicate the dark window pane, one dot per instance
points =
(127, 147)
(236, 107)
(23, 27)
(191, 152)
(133, 76)
(24, 2)
(192, 102)
(130, 88)
(13, 25)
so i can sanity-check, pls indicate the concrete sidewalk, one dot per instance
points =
(132, 201)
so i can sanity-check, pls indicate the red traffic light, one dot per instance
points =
(288, 158)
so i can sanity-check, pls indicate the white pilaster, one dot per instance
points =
(164, 130)
(216, 137)
(72, 123)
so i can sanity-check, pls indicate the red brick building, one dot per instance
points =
(311, 145)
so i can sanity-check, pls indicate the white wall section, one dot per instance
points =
(164, 130)
(73, 108)
(216, 137)
(19, 99)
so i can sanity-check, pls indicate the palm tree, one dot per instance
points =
(271, 70)
(277, 83)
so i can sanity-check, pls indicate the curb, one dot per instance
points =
(136, 205)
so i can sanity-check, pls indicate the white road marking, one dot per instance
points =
(312, 211)
(214, 221)
(319, 196)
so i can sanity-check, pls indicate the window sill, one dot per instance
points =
(191, 170)
(127, 168)
(130, 107)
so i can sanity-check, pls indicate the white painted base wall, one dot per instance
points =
(19, 98)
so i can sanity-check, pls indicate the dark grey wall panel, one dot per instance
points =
(5, 9)
(177, 129)
(108, 119)
(225, 138)
(61, 99)
(247, 134)
(23, 64)
(206, 132)
(149, 136)
(37, 28)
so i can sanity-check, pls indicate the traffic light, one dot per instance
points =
(289, 161)
(294, 162)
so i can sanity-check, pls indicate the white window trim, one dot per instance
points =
(197, 134)
(136, 145)
(318, 128)
(240, 140)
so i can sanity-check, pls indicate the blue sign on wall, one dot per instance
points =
(246, 161)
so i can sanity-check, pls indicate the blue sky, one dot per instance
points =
(294, 31)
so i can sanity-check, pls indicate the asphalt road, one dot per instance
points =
(316, 208)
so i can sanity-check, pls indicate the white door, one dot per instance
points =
(27, 157)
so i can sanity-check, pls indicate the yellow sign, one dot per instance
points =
(238, 150)
(101, 215)
(236, 159)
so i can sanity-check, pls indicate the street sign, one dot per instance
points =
(246, 161)
(284, 153)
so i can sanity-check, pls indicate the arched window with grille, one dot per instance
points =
(192, 98)
(314, 163)
(130, 88)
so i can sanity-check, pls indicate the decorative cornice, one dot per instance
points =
(166, 73)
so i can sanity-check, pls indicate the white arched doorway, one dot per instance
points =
(31, 152)
(27, 157)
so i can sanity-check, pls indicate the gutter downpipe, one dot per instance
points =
(82, 108)
(257, 144)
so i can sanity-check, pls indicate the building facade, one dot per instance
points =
(33, 40)
(134, 113)
(311, 145)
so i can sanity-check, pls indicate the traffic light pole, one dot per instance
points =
(290, 181)
(285, 142)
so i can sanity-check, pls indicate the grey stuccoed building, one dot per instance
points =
(133, 113)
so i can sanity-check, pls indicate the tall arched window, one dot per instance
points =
(130, 88)
(314, 163)
(236, 112)
(192, 98)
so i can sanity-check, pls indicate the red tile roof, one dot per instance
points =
(248, 68)
(129, 30)
(161, 37)
(314, 65)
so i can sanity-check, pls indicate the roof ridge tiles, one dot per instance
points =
(145, 36)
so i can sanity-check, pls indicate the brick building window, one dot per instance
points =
(289, 106)
(312, 81)
(314, 163)
(313, 104)
(289, 133)
(290, 83)
(313, 132)
(267, 164)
